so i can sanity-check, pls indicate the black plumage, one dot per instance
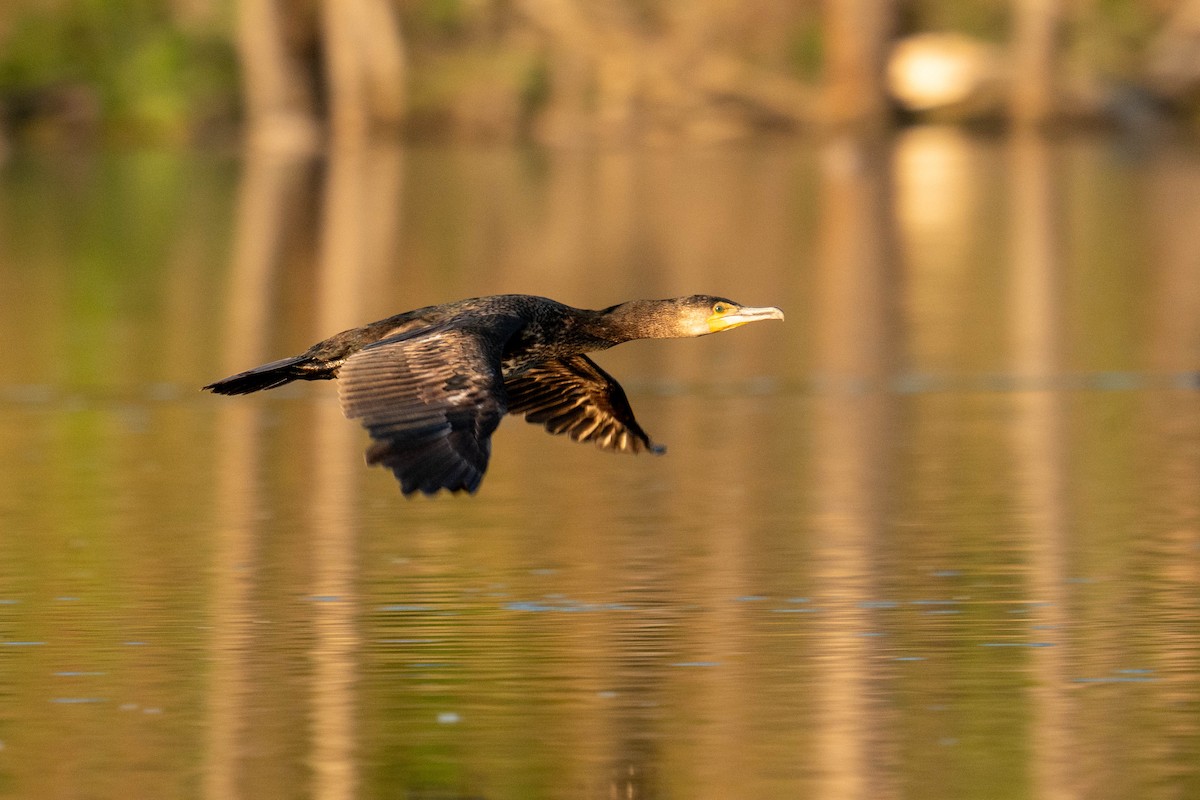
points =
(431, 385)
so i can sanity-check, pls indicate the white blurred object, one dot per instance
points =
(940, 70)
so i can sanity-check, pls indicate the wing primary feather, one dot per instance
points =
(573, 395)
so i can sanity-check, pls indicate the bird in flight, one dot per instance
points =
(431, 385)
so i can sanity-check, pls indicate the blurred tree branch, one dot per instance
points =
(858, 37)
(621, 73)
(1035, 36)
(362, 73)
(280, 99)
(1174, 54)
(364, 64)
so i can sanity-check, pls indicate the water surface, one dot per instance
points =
(934, 536)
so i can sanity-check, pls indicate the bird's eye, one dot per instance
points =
(720, 308)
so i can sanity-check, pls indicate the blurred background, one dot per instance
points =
(293, 73)
(937, 535)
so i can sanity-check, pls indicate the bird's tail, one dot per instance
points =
(268, 376)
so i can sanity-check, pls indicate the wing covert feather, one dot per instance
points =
(430, 399)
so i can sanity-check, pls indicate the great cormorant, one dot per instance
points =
(430, 385)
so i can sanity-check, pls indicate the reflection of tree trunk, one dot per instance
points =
(1169, 433)
(364, 62)
(857, 35)
(335, 640)
(354, 242)
(1039, 442)
(1175, 317)
(857, 334)
(267, 182)
(1034, 32)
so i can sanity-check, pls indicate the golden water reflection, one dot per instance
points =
(935, 536)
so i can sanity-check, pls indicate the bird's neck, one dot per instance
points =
(623, 323)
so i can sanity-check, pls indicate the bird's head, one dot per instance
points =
(720, 314)
(702, 314)
(682, 317)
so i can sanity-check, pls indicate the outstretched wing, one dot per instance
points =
(430, 399)
(574, 396)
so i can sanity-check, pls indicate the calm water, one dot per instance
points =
(936, 536)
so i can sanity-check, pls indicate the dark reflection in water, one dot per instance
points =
(936, 536)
